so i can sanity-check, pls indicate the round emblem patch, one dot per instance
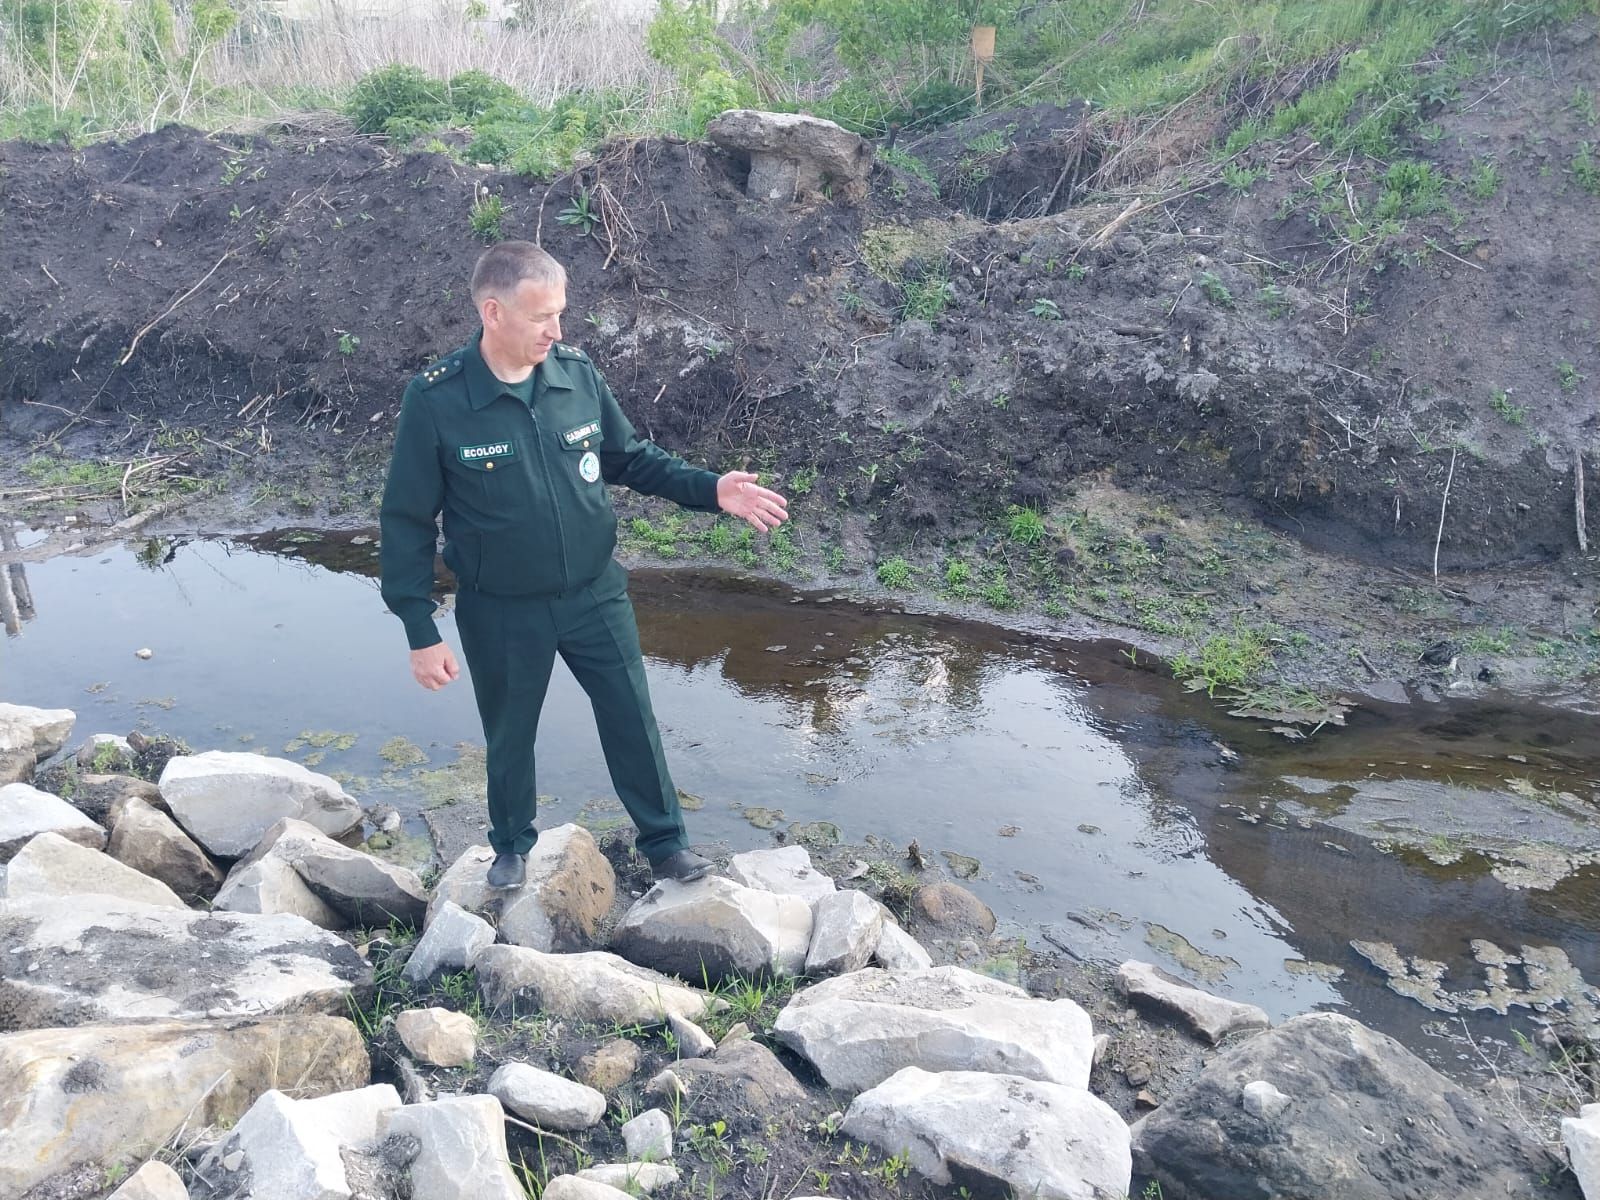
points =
(589, 467)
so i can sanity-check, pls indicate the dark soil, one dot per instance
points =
(244, 312)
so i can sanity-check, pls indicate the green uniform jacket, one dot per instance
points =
(522, 489)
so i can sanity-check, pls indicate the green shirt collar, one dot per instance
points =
(483, 388)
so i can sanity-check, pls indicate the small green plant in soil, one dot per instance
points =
(1511, 414)
(488, 213)
(1215, 290)
(1240, 178)
(781, 550)
(1045, 309)
(926, 298)
(1583, 104)
(348, 343)
(997, 592)
(580, 214)
(957, 578)
(1489, 641)
(1024, 525)
(1230, 661)
(1585, 170)
(894, 572)
(1274, 299)
(1567, 375)
(1410, 189)
(909, 163)
(1484, 179)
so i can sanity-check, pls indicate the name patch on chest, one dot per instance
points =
(489, 451)
(573, 436)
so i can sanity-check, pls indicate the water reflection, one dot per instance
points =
(1107, 809)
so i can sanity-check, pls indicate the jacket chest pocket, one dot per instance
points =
(494, 469)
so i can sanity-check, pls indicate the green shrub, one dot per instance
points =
(398, 93)
(473, 93)
(894, 572)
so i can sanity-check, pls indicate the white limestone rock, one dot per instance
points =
(27, 811)
(1040, 1139)
(648, 1136)
(453, 936)
(568, 891)
(1213, 1017)
(786, 870)
(227, 800)
(897, 950)
(632, 1176)
(49, 728)
(99, 1094)
(292, 1147)
(846, 930)
(1581, 1137)
(105, 959)
(715, 928)
(463, 1149)
(593, 986)
(51, 866)
(546, 1099)
(861, 1028)
(153, 1181)
(438, 1036)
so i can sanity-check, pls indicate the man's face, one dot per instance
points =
(525, 324)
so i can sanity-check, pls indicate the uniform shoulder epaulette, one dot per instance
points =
(566, 351)
(442, 369)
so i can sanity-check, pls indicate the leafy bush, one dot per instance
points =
(399, 93)
(473, 93)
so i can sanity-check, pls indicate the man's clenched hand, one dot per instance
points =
(434, 666)
(739, 493)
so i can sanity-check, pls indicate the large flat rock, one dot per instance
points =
(102, 959)
(96, 1095)
(1033, 1138)
(861, 1028)
(227, 800)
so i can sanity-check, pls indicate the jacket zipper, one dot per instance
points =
(555, 504)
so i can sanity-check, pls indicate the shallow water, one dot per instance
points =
(1112, 813)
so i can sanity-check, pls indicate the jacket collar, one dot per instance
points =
(483, 388)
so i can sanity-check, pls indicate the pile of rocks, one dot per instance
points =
(198, 982)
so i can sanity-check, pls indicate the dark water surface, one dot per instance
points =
(1111, 812)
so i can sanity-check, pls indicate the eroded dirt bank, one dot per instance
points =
(1233, 428)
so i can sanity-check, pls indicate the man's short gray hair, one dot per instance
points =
(502, 267)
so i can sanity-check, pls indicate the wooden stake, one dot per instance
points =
(1577, 480)
(1442, 507)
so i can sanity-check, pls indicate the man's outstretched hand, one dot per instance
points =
(434, 666)
(739, 493)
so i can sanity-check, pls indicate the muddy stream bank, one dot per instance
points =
(1417, 866)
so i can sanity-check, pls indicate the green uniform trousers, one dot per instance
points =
(511, 643)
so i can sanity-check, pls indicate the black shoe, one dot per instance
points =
(508, 870)
(683, 865)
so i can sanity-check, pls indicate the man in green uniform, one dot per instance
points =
(514, 438)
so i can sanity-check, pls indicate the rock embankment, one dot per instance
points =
(332, 1028)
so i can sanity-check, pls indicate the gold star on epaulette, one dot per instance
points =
(436, 371)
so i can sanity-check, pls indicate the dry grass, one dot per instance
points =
(563, 50)
(268, 67)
